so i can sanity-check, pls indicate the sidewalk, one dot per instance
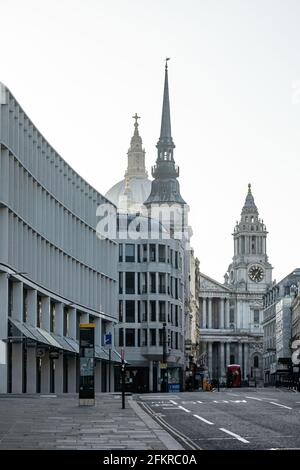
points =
(57, 422)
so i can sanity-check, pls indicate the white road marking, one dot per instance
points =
(203, 419)
(282, 406)
(184, 409)
(198, 401)
(254, 398)
(170, 408)
(239, 438)
(233, 394)
(174, 402)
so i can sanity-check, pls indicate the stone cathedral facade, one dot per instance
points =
(231, 313)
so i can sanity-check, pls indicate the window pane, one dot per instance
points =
(130, 311)
(162, 253)
(129, 252)
(129, 277)
(130, 337)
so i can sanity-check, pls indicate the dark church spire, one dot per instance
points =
(165, 186)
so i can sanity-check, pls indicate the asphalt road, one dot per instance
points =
(242, 419)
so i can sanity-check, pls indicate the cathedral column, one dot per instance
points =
(209, 313)
(222, 309)
(227, 317)
(227, 353)
(209, 356)
(204, 313)
(222, 359)
(240, 354)
(246, 361)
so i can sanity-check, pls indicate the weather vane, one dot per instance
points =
(167, 58)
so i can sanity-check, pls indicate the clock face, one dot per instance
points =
(256, 273)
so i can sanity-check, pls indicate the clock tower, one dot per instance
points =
(250, 270)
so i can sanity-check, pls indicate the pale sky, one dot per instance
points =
(82, 68)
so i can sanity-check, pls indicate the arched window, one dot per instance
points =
(256, 361)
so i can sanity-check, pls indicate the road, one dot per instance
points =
(231, 419)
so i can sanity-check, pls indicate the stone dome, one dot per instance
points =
(134, 191)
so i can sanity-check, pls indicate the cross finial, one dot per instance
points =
(249, 188)
(166, 66)
(136, 117)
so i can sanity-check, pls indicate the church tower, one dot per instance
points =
(250, 269)
(165, 189)
(136, 154)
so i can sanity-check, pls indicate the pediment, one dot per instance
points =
(209, 284)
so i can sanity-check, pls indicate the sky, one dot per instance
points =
(81, 69)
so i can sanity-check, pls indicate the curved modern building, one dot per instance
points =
(55, 273)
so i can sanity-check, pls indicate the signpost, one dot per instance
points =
(108, 342)
(123, 376)
(87, 364)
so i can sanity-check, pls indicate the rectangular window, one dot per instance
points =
(120, 311)
(120, 252)
(152, 252)
(120, 283)
(10, 298)
(139, 253)
(176, 259)
(161, 337)
(168, 255)
(144, 283)
(129, 253)
(144, 337)
(121, 337)
(129, 280)
(176, 340)
(161, 253)
(144, 311)
(176, 288)
(162, 283)
(152, 336)
(139, 337)
(231, 315)
(162, 311)
(176, 315)
(130, 337)
(152, 310)
(139, 311)
(130, 311)
(145, 253)
(256, 316)
(153, 283)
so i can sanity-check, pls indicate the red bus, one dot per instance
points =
(234, 375)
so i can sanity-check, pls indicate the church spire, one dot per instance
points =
(249, 206)
(165, 186)
(136, 154)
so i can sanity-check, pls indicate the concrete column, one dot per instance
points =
(72, 372)
(84, 318)
(72, 322)
(32, 306)
(45, 314)
(45, 373)
(59, 319)
(222, 313)
(222, 360)
(204, 313)
(209, 313)
(209, 355)
(31, 370)
(227, 314)
(17, 348)
(227, 354)
(150, 376)
(3, 331)
(246, 361)
(59, 373)
(98, 331)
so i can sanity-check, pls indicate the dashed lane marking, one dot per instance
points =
(203, 419)
(239, 438)
(174, 402)
(254, 398)
(184, 409)
(282, 406)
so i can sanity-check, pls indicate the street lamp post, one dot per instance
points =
(164, 370)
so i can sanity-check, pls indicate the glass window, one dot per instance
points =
(130, 311)
(130, 337)
(139, 311)
(121, 311)
(25, 305)
(176, 260)
(144, 283)
(144, 337)
(145, 253)
(129, 253)
(120, 283)
(231, 315)
(176, 315)
(10, 298)
(161, 337)
(139, 338)
(66, 326)
(162, 311)
(256, 361)
(162, 283)
(153, 283)
(39, 312)
(129, 279)
(256, 316)
(152, 252)
(121, 337)
(152, 310)
(162, 253)
(120, 252)
(52, 317)
(144, 311)
(152, 336)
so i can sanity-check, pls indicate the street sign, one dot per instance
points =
(163, 365)
(108, 339)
